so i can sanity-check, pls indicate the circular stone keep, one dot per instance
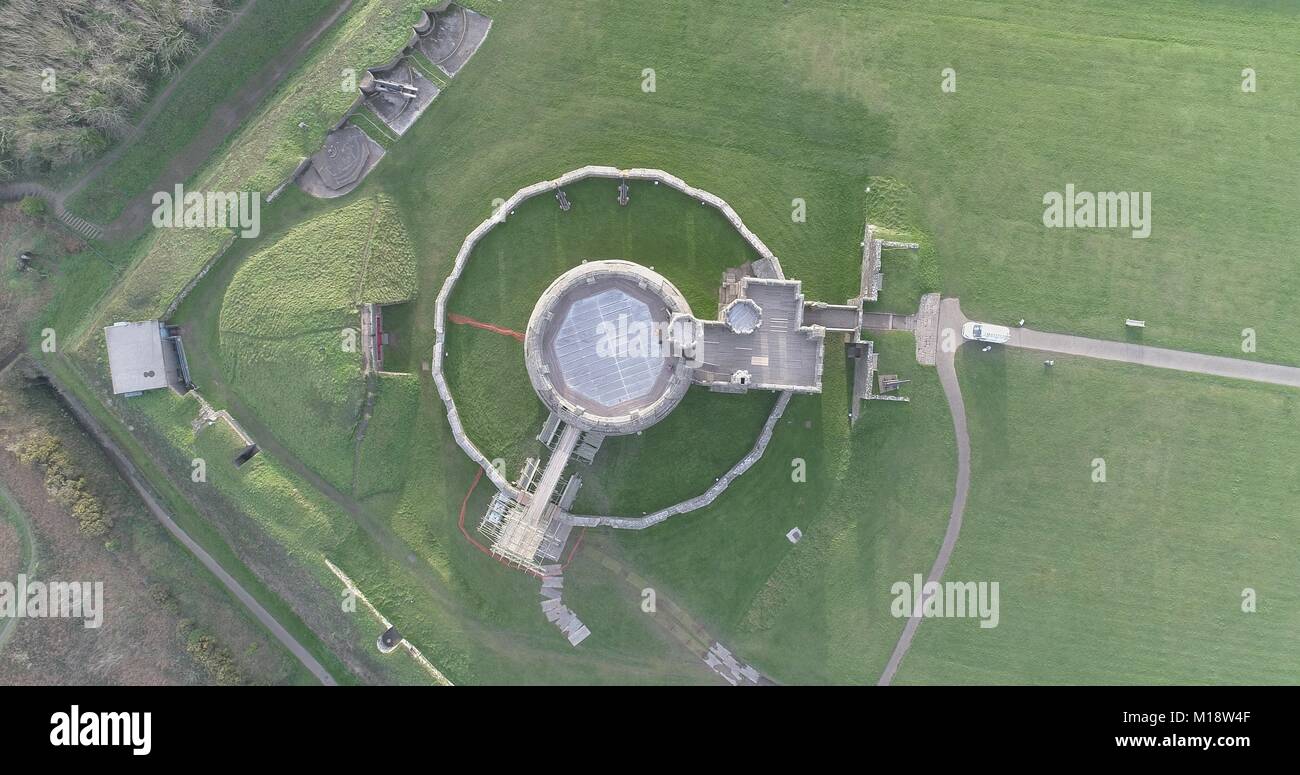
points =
(598, 348)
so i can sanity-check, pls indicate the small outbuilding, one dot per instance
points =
(388, 640)
(145, 355)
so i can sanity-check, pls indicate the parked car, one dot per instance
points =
(986, 332)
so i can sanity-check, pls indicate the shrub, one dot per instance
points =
(215, 658)
(64, 484)
(34, 207)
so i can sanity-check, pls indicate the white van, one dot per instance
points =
(985, 332)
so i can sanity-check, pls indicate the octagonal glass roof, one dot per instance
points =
(607, 348)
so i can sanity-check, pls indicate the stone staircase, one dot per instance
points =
(78, 224)
(73, 221)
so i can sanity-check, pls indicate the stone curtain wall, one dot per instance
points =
(462, 257)
(699, 501)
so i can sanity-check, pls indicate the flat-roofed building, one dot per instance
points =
(760, 341)
(145, 355)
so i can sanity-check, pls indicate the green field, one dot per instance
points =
(1135, 580)
(872, 511)
(381, 466)
(289, 328)
(1138, 579)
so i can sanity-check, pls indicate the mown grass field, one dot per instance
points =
(381, 466)
(872, 510)
(841, 99)
(1138, 579)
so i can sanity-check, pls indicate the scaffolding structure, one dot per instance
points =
(519, 538)
(521, 524)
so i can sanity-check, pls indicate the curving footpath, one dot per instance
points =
(26, 540)
(952, 319)
(949, 317)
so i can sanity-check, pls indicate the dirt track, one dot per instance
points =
(130, 474)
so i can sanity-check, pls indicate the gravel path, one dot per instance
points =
(1132, 352)
(1159, 357)
(949, 317)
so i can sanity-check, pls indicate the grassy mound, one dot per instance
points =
(289, 331)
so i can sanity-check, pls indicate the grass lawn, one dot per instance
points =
(1103, 95)
(290, 343)
(635, 475)
(894, 209)
(840, 99)
(872, 510)
(382, 466)
(1138, 579)
(688, 243)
